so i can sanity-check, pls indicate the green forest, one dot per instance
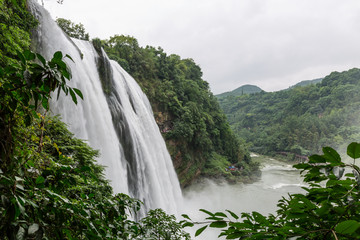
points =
(300, 120)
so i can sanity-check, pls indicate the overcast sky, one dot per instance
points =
(269, 43)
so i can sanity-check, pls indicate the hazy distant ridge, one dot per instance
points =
(245, 89)
(307, 82)
(249, 89)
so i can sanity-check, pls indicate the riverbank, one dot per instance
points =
(258, 158)
(219, 169)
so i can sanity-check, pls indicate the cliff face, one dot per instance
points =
(187, 164)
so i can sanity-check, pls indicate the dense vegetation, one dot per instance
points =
(329, 209)
(307, 82)
(74, 30)
(189, 116)
(299, 120)
(15, 24)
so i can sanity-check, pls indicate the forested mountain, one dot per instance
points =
(307, 82)
(245, 89)
(299, 120)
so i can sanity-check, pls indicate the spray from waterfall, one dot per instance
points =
(115, 117)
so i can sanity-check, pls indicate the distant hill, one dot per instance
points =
(299, 120)
(307, 82)
(245, 89)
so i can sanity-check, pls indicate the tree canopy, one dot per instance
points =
(75, 30)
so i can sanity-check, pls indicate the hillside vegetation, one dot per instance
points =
(245, 89)
(307, 82)
(300, 120)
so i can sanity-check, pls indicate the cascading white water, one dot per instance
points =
(119, 123)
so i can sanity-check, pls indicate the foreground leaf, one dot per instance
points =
(347, 227)
(33, 228)
(218, 224)
(353, 150)
(200, 230)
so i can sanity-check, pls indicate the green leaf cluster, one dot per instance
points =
(24, 85)
(330, 208)
(75, 30)
(159, 225)
(15, 25)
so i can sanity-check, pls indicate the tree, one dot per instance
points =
(159, 225)
(25, 84)
(75, 30)
(330, 208)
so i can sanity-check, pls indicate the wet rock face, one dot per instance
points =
(185, 160)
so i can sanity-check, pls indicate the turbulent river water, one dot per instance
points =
(277, 180)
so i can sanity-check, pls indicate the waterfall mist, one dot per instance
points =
(115, 117)
(277, 180)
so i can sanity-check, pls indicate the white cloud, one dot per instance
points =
(271, 43)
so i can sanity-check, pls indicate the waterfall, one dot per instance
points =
(115, 117)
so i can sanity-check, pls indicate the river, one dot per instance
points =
(277, 180)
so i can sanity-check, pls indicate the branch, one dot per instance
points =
(42, 125)
(333, 232)
(16, 88)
